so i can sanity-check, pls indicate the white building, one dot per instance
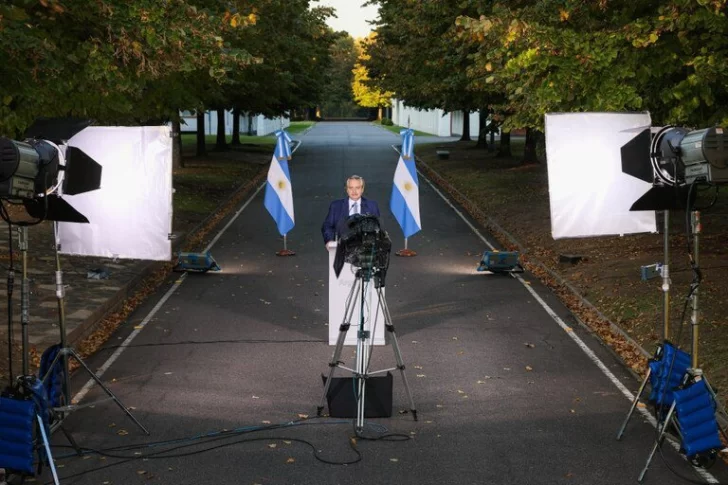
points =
(257, 125)
(434, 121)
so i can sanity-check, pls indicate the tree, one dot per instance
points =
(555, 56)
(112, 61)
(365, 93)
(416, 56)
(338, 100)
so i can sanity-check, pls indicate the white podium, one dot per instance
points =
(339, 289)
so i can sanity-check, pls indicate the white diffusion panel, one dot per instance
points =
(589, 193)
(130, 216)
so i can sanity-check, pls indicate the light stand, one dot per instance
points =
(363, 348)
(62, 357)
(695, 387)
(665, 273)
(11, 285)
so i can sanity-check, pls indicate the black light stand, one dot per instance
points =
(62, 357)
(363, 344)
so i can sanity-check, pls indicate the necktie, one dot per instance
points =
(354, 208)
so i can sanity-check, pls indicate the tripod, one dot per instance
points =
(363, 346)
(65, 352)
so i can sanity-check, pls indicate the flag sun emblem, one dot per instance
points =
(408, 186)
(281, 184)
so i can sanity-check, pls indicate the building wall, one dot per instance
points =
(260, 124)
(457, 124)
(434, 121)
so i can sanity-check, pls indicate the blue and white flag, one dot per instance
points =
(278, 191)
(405, 201)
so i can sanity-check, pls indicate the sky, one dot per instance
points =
(352, 17)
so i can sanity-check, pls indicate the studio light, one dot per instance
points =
(672, 159)
(700, 155)
(40, 171)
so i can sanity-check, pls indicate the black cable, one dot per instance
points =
(162, 454)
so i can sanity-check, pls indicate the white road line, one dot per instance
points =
(570, 332)
(101, 370)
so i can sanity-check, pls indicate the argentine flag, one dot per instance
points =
(278, 191)
(405, 201)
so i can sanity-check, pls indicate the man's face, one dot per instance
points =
(354, 188)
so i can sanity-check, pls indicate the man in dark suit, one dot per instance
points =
(341, 209)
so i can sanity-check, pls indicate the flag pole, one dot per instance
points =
(406, 252)
(285, 251)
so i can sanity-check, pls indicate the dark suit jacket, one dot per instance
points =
(339, 210)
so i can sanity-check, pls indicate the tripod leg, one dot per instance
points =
(334, 362)
(47, 447)
(634, 404)
(658, 442)
(397, 353)
(107, 390)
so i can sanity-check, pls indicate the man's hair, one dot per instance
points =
(356, 177)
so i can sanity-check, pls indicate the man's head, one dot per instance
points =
(355, 187)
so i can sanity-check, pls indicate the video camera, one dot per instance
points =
(365, 245)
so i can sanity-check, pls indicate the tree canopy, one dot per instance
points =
(523, 58)
(125, 62)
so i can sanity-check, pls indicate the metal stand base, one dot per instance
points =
(361, 373)
(66, 352)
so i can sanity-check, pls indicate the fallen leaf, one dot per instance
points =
(395, 460)
(141, 472)
(266, 422)
(272, 445)
(529, 368)
(530, 346)
(291, 460)
(641, 405)
(303, 416)
(421, 375)
(122, 432)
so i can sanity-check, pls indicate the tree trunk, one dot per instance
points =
(177, 161)
(250, 124)
(483, 130)
(220, 142)
(466, 126)
(530, 150)
(504, 147)
(201, 145)
(236, 126)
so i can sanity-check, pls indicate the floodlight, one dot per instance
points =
(38, 172)
(676, 159)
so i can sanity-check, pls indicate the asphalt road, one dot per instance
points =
(504, 393)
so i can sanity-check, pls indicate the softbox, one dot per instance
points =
(589, 193)
(130, 215)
